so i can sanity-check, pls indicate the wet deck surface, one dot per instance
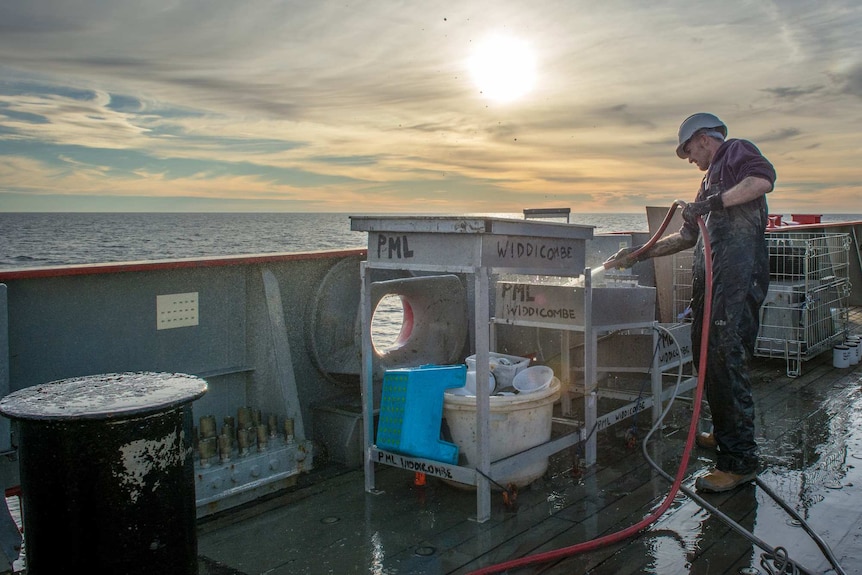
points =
(810, 433)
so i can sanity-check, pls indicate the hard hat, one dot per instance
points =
(694, 123)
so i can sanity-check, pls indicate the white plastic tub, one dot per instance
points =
(517, 422)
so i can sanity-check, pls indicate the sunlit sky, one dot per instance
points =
(376, 107)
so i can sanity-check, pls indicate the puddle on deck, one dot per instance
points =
(811, 456)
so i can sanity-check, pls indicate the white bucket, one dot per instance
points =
(854, 351)
(517, 422)
(858, 341)
(840, 356)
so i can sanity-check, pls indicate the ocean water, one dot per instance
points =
(52, 239)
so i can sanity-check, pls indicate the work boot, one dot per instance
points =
(717, 481)
(706, 440)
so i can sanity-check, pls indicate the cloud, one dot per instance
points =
(779, 135)
(337, 104)
(792, 93)
(851, 82)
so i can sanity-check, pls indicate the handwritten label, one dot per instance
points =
(527, 312)
(517, 249)
(620, 415)
(527, 301)
(393, 247)
(516, 292)
(669, 352)
(436, 469)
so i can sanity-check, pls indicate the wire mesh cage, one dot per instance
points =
(806, 308)
(805, 312)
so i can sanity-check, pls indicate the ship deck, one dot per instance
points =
(810, 440)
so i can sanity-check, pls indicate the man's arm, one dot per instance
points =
(664, 247)
(669, 245)
(748, 189)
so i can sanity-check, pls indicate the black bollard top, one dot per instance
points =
(103, 396)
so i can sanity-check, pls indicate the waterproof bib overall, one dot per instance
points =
(740, 263)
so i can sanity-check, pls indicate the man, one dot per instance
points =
(732, 201)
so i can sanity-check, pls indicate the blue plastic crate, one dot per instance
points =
(411, 410)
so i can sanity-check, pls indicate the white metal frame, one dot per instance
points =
(469, 259)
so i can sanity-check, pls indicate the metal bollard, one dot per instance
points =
(107, 473)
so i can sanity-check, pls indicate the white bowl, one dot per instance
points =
(532, 379)
(470, 384)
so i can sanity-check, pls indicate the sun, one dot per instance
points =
(503, 67)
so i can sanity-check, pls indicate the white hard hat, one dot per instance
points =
(696, 122)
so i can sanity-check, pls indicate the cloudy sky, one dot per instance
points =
(351, 106)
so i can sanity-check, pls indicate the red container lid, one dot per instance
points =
(806, 218)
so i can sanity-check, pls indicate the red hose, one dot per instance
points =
(655, 237)
(692, 432)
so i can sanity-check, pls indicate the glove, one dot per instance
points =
(624, 258)
(694, 210)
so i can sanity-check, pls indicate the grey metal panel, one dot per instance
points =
(420, 248)
(545, 255)
(555, 305)
(514, 245)
(82, 325)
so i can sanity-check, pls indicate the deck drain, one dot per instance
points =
(330, 520)
(794, 522)
(749, 571)
(425, 551)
